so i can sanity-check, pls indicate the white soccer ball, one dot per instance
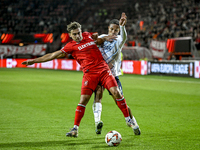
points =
(113, 138)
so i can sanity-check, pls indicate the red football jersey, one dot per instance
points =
(86, 53)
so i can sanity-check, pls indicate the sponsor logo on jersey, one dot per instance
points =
(86, 45)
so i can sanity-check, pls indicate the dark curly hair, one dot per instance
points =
(114, 21)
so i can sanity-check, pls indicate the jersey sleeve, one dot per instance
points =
(67, 48)
(86, 34)
(102, 35)
(123, 35)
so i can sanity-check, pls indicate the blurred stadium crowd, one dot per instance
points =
(147, 19)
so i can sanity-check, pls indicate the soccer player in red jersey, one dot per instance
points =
(96, 71)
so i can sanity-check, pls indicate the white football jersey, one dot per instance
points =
(111, 51)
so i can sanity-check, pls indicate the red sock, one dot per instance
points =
(121, 103)
(80, 110)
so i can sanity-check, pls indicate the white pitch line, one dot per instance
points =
(142, 78)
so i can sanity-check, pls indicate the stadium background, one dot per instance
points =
(37, 105)
(147, 19)
(157, 30)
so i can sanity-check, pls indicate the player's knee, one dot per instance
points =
(97, 99)
(115, 92)
(84, 99)
(99, 92)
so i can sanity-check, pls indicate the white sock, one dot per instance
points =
(76, 127)
(127, 118)
(97, 108)
(134, 120)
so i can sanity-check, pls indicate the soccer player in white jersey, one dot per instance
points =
(111, 52)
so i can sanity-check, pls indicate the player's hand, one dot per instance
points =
(109, 38)
(95, 36)
(28, 62)
(123, 19)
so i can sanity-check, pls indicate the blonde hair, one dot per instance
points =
(72, 26)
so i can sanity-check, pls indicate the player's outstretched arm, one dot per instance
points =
(45, 58)
(123, 33)
(123, 19)
(109, 38)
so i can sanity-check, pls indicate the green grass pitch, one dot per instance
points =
(37, 108)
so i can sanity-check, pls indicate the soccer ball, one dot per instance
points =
(113, 138)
